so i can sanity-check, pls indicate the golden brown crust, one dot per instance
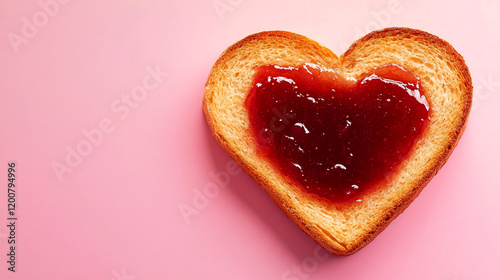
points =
(343, 230)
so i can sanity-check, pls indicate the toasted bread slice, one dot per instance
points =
(341, 229)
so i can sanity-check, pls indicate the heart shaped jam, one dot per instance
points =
(337, 137)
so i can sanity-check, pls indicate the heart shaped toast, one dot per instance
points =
(342, 145)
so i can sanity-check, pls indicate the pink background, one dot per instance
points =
(117, 214)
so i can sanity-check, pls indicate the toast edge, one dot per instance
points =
(327, 242)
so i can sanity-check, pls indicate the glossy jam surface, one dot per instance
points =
(337, 137)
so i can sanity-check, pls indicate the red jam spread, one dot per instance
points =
(337, 137)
